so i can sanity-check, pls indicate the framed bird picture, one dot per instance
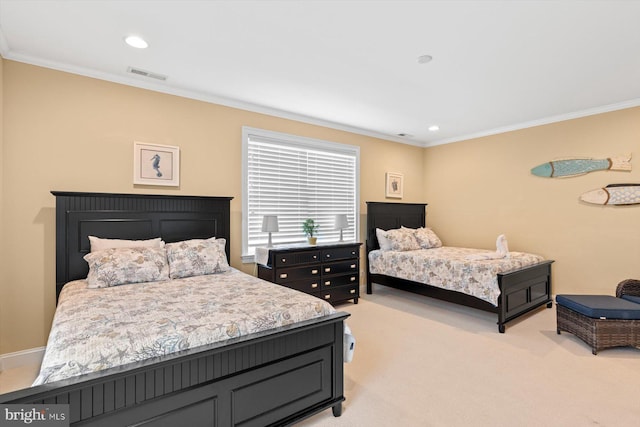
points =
(155, 164)
(394, 185)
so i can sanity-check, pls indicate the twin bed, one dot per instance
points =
(185, 345)
(508, 286)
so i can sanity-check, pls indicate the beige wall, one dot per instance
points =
(72, 133)
(480, 188)
(2, 268)
(67, 132)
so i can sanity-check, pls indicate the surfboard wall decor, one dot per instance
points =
(574, 167)
(614, 194)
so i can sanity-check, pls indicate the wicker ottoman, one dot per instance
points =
(601, 321)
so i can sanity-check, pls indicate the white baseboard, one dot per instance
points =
(31, 356)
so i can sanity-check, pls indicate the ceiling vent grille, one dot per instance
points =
(144, 73)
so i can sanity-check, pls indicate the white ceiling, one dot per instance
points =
(353, 65)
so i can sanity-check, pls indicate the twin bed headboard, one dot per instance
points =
(130, 216)
(387, 216)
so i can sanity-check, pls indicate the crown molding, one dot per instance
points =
(4, 46)
(143, 83)
(540, 122)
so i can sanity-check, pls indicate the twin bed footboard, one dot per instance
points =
(520, 292)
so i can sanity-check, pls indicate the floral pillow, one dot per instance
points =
(197, 257)
(120, 266)
(402, 240)
(425, 237)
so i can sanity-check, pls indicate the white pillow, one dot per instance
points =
(385, 244)
(100, 244)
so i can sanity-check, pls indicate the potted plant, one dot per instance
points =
(310, 227)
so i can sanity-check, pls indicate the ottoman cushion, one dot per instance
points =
(600, 306)
(632, 298)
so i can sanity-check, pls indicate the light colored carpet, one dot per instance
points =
(422, 362)
(427, 363)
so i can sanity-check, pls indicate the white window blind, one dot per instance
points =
(297, 178)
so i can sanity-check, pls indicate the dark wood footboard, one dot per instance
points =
(273, 378)
(523, 290)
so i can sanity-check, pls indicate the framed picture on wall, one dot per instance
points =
(155, 164)
(394, 185)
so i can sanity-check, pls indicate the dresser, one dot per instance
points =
(330, 272)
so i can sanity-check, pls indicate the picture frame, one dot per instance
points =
(394, 185)
(155, 164)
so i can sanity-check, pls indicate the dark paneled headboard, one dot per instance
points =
(130, 216)
(387, 216)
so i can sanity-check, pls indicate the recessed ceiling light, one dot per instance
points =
(434, 128)
(404, 135)
(423, 59)
(137, 42)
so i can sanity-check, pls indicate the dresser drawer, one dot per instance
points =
(330, 272)
(340, 253)
(296, 258)
(312, 272)
(349, 266)
(335, 281)
(306, 286)
(338, 294)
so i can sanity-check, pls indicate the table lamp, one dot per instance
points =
(340, 223)
(270, 225)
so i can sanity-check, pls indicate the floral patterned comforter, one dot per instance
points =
(450, 268)
(95, 329)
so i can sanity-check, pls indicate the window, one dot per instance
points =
(297, 178)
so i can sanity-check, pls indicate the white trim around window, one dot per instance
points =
(295, 178)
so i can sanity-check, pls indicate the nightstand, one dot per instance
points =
(330, 272)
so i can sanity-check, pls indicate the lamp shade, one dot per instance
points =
(341, 221)
(270, 223)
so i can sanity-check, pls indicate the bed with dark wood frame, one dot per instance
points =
(276, 377)
(521, 291)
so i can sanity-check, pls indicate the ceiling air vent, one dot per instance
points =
(144, 73)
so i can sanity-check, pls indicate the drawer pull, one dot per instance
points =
(315, 257)
(327, 283)
(353, 252)
(328, 255)
(352, 266)
(314, 285)
(352, 291)
(284, 275)
(314, 271)
(284, 260)
(353, 278)
(327, 296)
(327, 270)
